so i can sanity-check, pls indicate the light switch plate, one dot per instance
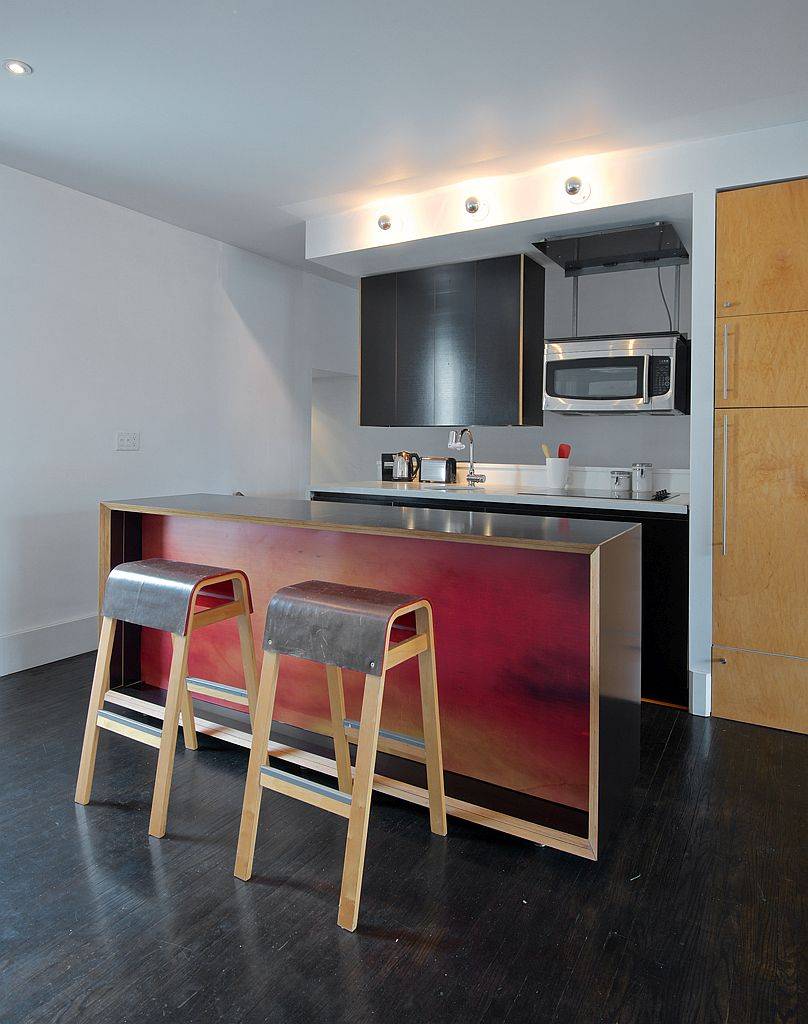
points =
(127, 441)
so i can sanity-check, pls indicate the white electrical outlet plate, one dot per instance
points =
(127, 441)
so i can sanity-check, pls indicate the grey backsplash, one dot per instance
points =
(608, 304)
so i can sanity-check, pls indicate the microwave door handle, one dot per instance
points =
(646, 379)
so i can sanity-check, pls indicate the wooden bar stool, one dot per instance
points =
(164, 595)
(343, 627)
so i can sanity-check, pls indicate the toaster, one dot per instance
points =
(438, 470)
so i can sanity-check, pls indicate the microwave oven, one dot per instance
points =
(639, 373)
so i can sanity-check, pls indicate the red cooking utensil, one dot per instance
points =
(564, 451)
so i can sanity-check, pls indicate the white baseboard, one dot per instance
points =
(700, 694)
(43, 644)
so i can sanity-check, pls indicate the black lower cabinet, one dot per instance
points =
(664, 580)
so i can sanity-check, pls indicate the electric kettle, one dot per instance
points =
(406, 465)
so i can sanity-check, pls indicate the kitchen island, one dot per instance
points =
(537, 623)
(665, 544)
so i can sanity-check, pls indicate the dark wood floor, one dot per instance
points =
(695, 913)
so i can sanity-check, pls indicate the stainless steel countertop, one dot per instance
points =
(541, 532)
(522, 495)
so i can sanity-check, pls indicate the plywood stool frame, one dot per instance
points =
(165, 595)
(376, 656)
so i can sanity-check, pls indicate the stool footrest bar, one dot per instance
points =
(304, 789)
(139, 731)
(207, 688)
(386, 734)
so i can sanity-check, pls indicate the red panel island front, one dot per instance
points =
(537, 624)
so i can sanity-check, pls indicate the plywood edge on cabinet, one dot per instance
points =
(722, 314)
(119, 540)
(594, 697)
(531, 342)
(104, 553)
(760, 689)
(359, 368)
(521, 339)
(615, 666)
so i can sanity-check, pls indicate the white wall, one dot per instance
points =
(697, 169)
(341, 450)
(113, 320)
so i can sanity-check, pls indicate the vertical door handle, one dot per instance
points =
(646, 380)
(726, 365)
(724, 471)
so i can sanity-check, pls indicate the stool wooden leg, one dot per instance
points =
(188, 723)
(431, 720)
(168, 741)
(354, 865)
(99, 689)
(258, 758)
(342, 754)
(248, 656)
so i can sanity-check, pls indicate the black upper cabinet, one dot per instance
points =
(498, 357)
(378, 363)
(461, 343)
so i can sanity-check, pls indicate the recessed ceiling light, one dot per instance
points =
(17, 67)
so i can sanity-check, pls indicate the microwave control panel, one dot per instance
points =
(660, 375)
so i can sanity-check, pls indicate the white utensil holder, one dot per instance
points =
(558, 471)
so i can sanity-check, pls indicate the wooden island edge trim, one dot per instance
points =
(594, 698)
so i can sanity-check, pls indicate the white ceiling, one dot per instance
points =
(239, 119)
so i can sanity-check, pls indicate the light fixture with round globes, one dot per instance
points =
(385, 222)
(17, 67)
(576, 189)
(476, 207)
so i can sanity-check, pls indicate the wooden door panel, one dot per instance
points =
(760, 595)
(762, 249)
(763, 689)
(761, 360)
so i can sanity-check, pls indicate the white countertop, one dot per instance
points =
(498, 492)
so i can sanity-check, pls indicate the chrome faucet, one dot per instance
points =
(456, 444)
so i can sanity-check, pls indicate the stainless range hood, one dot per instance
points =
(604, 252)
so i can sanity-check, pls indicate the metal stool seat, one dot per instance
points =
(158, 593)
(343, 627)
(333, 624)
(177, 598)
